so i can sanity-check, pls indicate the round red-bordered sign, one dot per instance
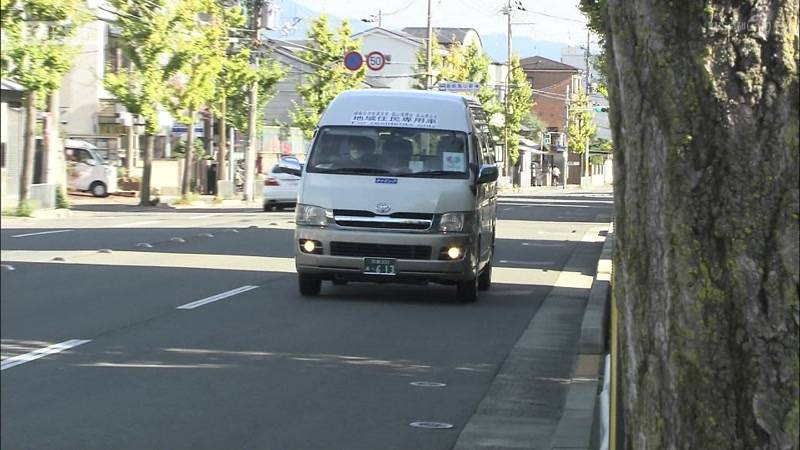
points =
(353, 60)
(376, 60)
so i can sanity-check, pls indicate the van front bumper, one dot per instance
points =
(351, 267)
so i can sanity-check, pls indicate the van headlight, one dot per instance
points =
(312, 215)
(452, 222)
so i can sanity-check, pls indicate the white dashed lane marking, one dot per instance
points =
(41, 353)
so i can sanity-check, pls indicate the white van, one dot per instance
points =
(399, 186)
(87, 170)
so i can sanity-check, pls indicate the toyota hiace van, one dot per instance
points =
(398, 186)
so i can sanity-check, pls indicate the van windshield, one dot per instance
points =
(400, 152)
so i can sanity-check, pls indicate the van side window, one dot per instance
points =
(483, 134)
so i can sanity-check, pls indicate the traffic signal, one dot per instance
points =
(600, 108)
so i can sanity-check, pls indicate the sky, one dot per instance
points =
(545, 21)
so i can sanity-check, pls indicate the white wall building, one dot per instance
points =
(400, 52)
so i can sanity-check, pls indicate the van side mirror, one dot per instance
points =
(91, 162)
(487, 174)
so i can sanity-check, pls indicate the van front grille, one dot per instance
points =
(360, 250)
(397, 221)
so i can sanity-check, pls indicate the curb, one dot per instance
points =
(539, 377)
(578, 427)
(50, 213)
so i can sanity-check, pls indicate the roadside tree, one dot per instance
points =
(582, 128)
(704, 114)
(519, 105)
(330, 77)
(147, 29)
(37, 53)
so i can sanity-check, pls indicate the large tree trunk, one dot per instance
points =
(704, 112)
(144, 193)
(29, 149)
(188, 171)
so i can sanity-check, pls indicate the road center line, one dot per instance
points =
(41, 232)
(214, 298)
(41, 353)
(121, 225)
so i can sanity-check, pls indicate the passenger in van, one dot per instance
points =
(360, 152)
(398, 154)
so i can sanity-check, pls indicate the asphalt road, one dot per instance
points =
(156, 358)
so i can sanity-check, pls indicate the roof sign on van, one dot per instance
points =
(395, 119)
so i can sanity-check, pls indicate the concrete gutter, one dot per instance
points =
(580, 424)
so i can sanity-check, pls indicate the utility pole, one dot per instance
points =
(508, 91)
(380, 18)
(586, 171)
(566, 138)
(250, 155)
(428, 75)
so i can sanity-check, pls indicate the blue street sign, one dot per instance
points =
(353, 61)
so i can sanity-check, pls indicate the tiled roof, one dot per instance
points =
(542, 63)
(445, 36)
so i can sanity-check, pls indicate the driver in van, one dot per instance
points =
(360, 151)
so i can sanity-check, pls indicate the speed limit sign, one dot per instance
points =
(376, 60)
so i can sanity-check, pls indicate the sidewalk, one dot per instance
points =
(543, 397)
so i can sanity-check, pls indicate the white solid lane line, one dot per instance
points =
(133, 224)
(41, 232)
(41, 353)
(214, 298)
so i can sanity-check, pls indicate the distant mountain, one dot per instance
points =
(495, 46)
(289, 10)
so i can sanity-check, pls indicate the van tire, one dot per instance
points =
(310, 285)
(98, 189)
(485, 279)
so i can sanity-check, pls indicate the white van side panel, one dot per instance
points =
(360, 192)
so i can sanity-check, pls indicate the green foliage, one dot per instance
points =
(235, 81)
(147, 29)
(437, 62)
(581, 123)
(596, 11)
(24, 209)
(187, 199)
(519, 105)
(62, 201)
(601, 145)
(532, 126)
(179, 151)
(36, 49)
(199, 56)
(330, 77)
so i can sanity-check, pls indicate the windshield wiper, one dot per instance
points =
(354, 170)
(434, 173)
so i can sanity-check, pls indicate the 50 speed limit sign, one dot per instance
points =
(376, 60)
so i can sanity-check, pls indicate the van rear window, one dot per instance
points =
(400, 152)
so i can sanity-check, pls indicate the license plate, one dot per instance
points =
(380, 266)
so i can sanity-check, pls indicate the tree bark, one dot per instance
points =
(187, 168)
(144, 194)
(131, 137)
(29, 149)
(704, 114)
